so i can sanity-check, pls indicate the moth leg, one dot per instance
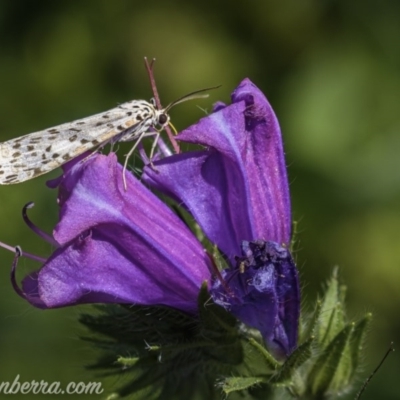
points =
(152, 150)
(140, 137)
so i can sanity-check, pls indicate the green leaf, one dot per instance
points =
(350, 357)
(295, 360)
(235, 384)
(311, 326)
(270, 361)
(113, 396)
(158, 352)
(325, 367)
(128, 361)
(294, 236)
(344, 370)
(332, 317)
(357, 340)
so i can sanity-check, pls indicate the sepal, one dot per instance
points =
(159, 352)
(338, 345)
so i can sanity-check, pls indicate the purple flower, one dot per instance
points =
(128, 247)
(237, 191)
(117, 246)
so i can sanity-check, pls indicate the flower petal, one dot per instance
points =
(264, 293)
(120, 246)
(237, 190)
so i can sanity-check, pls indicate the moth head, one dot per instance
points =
(163, 118)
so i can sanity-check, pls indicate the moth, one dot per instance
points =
(37, 153)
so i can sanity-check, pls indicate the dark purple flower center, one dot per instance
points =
(262, 291)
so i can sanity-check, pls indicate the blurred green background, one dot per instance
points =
(329, 68)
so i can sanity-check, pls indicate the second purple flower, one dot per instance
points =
(237, 191)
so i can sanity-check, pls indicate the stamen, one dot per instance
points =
(164, 149)
(27, 255)
(7, 247)
(18, 254)
(35, 229)
(32, 299)
(149, 68)
(142, 153)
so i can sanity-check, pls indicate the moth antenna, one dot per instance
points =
(194, 95)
